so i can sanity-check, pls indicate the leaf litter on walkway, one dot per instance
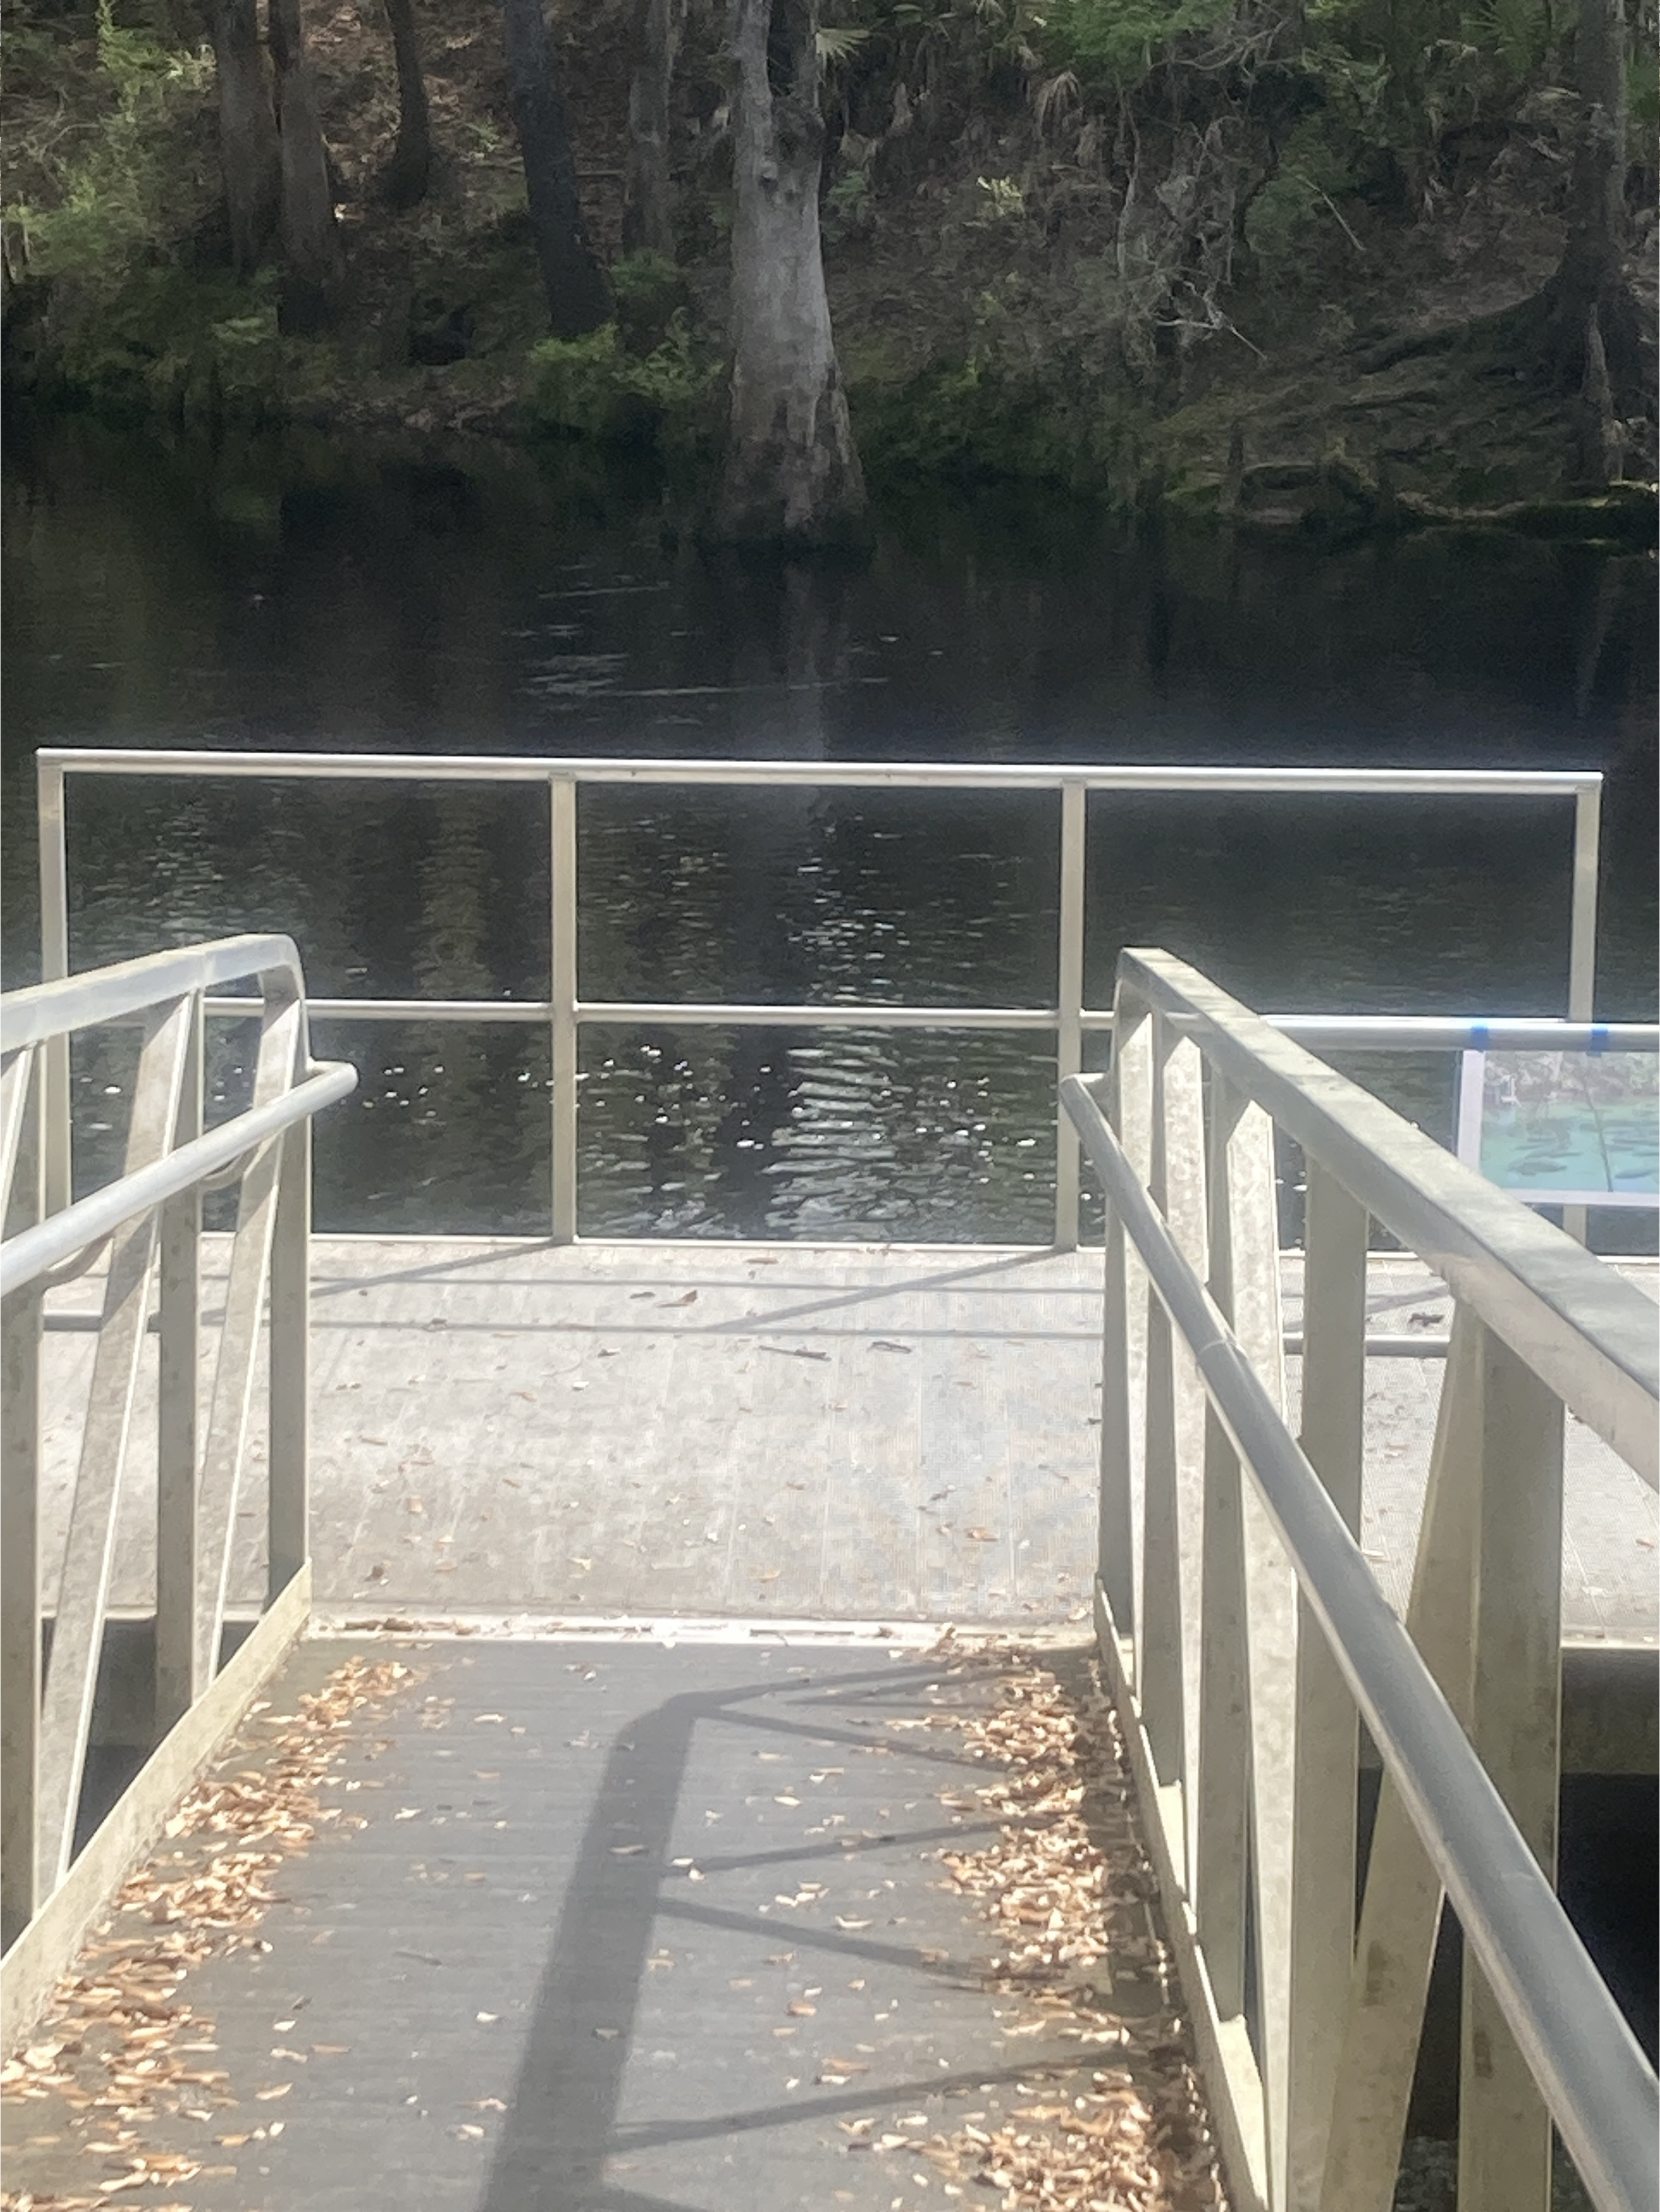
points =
(1071, 1896)
(119, 2045)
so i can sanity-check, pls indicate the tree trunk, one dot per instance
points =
(247, 133)
(1602, 438)
(1591, 279)
(410, 171)
(648, 197)
(577, 298)
(310, 238)
(792, 473)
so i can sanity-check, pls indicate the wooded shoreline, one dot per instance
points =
(1165, 275)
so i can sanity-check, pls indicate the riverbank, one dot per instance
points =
(1358, 376)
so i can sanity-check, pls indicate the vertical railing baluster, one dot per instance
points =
(1244, 1276)
(17, 1082)
(282, 1049)
(1401, 1909)
(51, 835)
(1220, 1814)
(1503, 2129)
(1582, 935)
(288, 1502)
(1158, 1651)
(88, 1552)
(19, 1542)
(177, 1440)
(1270, 1625)
(1123, 1335)
(1328, 1731)
(1186, 1209)
(1069, 1004)
(562, 928)
(1176, 1432)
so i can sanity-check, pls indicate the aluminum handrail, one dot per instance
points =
(1333, 1032)
(890, 775)
(1590, 1334)
(35, 1251)
(54, 1009)
(566, 1013)
(1458, 1033)
(1600, 2090)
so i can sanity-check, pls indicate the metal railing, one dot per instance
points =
(564, 1011)
(150, 1214)
(1245, 1632)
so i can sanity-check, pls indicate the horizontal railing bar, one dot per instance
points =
(33, 1253)
(1376, 1347)
(829, 1016)
(693, 1013)
(1380, 1347)
(1462, 1033)
(131, 987)
(475, 768)
(1334, 1032)
(524, 1010)
(1589, 2068)
(1590, 1335)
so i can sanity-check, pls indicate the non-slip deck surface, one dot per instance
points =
(625, 1929)
(844, 1431)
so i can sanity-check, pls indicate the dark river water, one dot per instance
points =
(284, 594)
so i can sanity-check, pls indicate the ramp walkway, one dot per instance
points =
(641, 1927)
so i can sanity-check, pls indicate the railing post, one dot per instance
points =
(89, 1551)
(178, 1367)
(1168, 1674)
(1582, 929)
(51, 830)
(289, 1463)
(1221, 1819)
(1124, 1333)
(1069, 1004)
(20, 1547)
(1503, 2129)
(283, 1054)
(562, 795)
(1401, 1910)
(1270, 1603)
(1323, 1842)
(1582, 936)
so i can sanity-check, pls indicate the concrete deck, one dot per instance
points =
(507, 1429)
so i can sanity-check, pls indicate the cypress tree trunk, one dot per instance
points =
(247, 133)
(577, 298)
(411, 170)
(792, 473)
(310, 238)
(1591, 282)
(647, 199)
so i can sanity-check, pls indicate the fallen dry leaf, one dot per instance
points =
(1073, 1902)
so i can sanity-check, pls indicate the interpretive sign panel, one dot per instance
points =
(1564, 1128)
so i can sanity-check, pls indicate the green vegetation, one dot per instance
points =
(1140, 248)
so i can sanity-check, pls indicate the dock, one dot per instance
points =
(522, 1435)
